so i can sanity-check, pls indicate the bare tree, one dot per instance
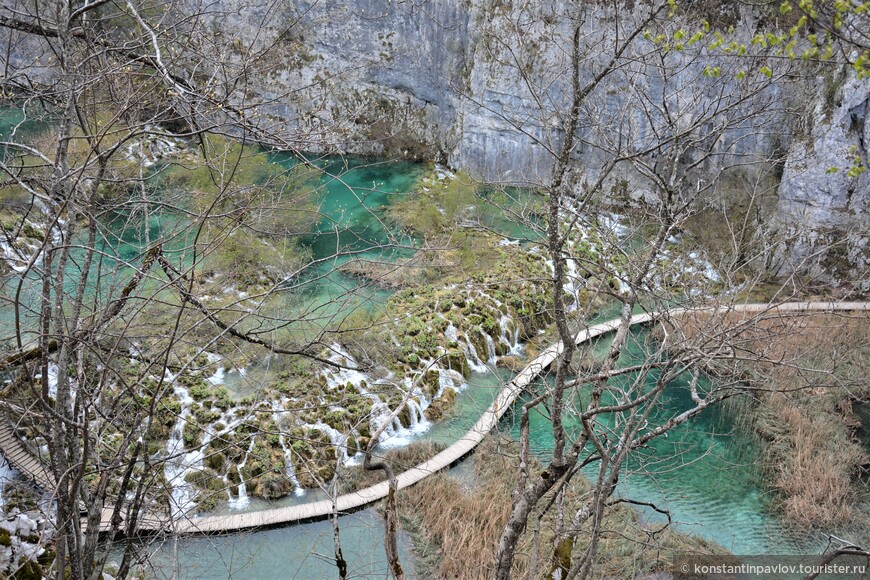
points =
(139, 113)
(643, 120)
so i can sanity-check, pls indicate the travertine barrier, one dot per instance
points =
(490, 418)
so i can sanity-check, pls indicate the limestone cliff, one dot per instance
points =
(437, 79)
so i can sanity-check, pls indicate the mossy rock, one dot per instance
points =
(437, 409)
(233, 474)
(216, 461)
(47, 557)
(337, 419)
(272, 486)
(5, 537)
(513, 363)
(208, 502)
(405, 416)
(430, 383)
(302, 448)
(203, 478)
(28, 570)
(326, 472)
(479, 343)
(457, 361)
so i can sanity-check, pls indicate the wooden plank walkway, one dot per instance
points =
(20, 457)
(464, 445)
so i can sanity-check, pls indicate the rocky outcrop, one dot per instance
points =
(823, 212)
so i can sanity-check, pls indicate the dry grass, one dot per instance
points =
(354, 478)
(810, 369)
(457, 525)
(463, 525)
(815, 476)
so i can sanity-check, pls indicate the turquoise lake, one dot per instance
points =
(703, 472)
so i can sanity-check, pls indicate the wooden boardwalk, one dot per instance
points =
(20, 457)
(490, 418)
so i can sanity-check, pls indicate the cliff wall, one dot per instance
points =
(438, 79)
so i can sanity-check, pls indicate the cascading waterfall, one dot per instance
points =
(449, 378)
(243, 501)
(219, 376)
(510, 335)
(395, 434)
(7, 473)
(419, 422)
(450, 333)
(179, 463)
(574, 283)
(289, 469)
(471, 356)
(339, 439)
(492, 355)
(182, 462)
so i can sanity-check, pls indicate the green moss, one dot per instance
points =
(29, 570)
(192, 433)
(216, 461)
(5, 538)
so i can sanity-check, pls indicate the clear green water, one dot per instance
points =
(715, 493)
(703, 472)
(353, 194)
(301, 551)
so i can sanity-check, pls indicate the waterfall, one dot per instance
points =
(339, 439)
(510, 335)
(471, 356)
(450, 378)
(243, 500)
(573, 284)
(289, 469)
(7, 473)
(219, 376)
(492, 355)
(182, 462)
(419, 422)
(179, 463)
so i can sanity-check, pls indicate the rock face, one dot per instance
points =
(823, 213)
(433, 79)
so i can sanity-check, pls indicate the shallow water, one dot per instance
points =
(703, 472)
(354, 192)
(302, 551)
